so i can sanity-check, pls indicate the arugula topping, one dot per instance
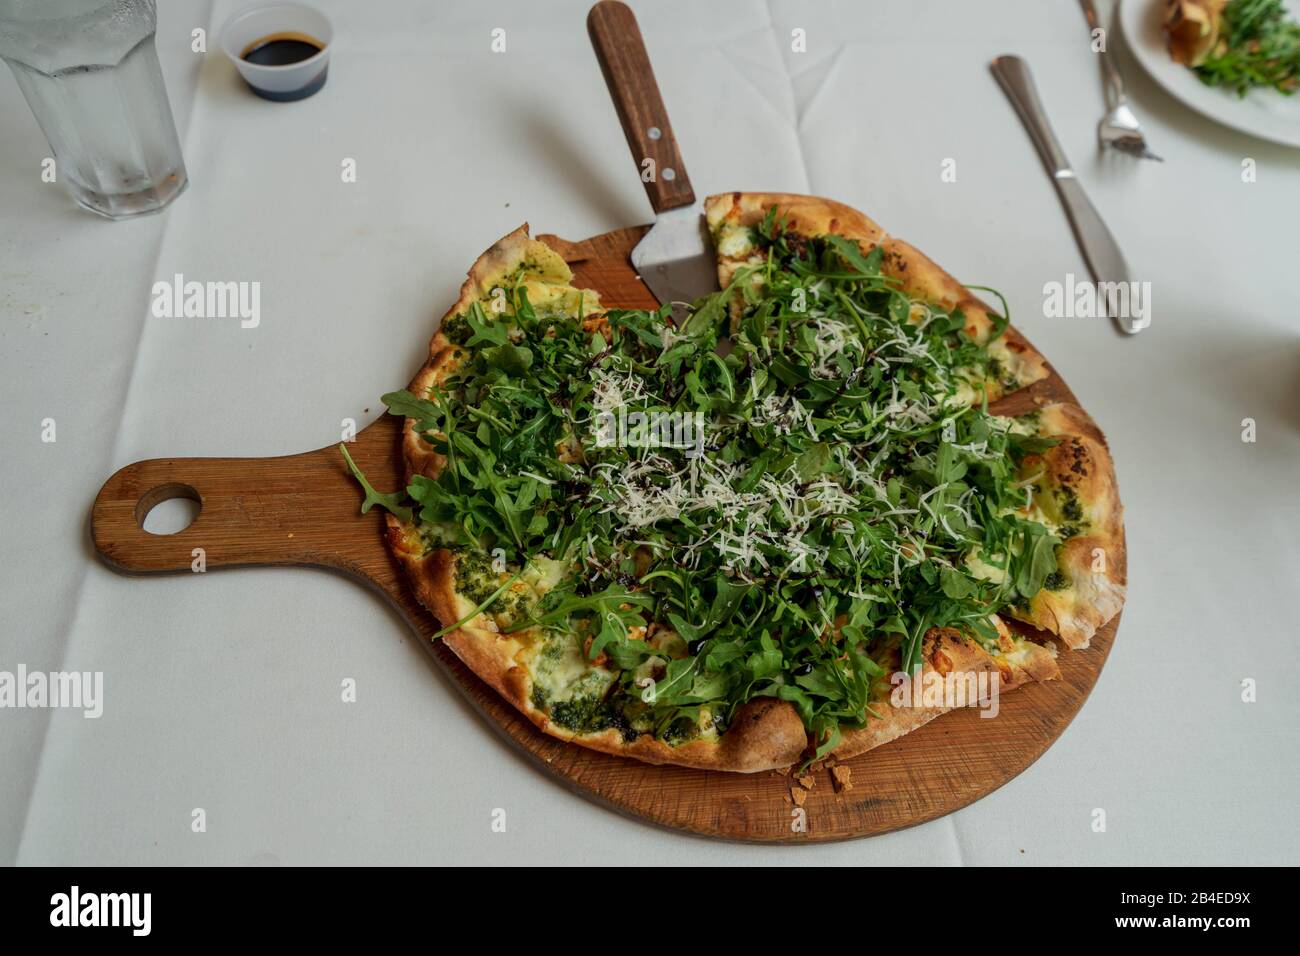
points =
(392, 501)
(845, 485)
(1258, 46)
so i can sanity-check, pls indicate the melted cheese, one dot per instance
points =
(544, 574)
(734, 241)
(983, 570)
(559, 668)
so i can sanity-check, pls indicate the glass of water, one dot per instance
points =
(90, 73)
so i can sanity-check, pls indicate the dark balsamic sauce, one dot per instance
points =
(281, 49)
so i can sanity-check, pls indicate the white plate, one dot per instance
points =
(1264, 112)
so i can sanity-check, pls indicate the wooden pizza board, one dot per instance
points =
(304, 510)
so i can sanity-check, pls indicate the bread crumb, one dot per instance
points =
(798, 796)
(842, 777)
(807, 781)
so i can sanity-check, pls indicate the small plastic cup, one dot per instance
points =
(291, 81)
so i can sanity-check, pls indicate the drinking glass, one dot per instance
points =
(89, 70)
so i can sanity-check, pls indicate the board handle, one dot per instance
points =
(292, 510)
(623, 60)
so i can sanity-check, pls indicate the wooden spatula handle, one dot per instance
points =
(298, 509)
(631, 81)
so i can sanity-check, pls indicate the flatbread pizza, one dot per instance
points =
(727, 543)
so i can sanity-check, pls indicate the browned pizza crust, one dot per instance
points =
(432, 574)
(947, 651)
(1078, 488)
(765, 734)
(417, 453)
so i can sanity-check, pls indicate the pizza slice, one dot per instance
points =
(516, 269)
(1072, 490)
(956, 660)
(741, 225)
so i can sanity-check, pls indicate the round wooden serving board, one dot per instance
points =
(304, 510)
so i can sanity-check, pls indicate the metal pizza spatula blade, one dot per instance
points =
(674, 259)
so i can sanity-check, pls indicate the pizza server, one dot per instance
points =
(674, 259)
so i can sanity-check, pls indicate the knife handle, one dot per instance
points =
(631, 81)
(1018, 83)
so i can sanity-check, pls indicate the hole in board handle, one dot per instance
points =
(169, 520)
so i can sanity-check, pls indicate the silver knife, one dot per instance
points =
(1100, 250)
(674, 258)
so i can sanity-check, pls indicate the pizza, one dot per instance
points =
(726, 541)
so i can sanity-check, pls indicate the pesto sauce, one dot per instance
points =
(1071, 510)
(680, 731)
(583, 715)
(477, 580)
(1002, 375)
(586, 715)
(456, 329)
(590, 709)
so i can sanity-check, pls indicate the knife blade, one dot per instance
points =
(674, 259)
(1100, 251)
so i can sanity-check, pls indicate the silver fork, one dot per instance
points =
(1119, 128)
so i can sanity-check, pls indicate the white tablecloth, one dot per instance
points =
(223, 692)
